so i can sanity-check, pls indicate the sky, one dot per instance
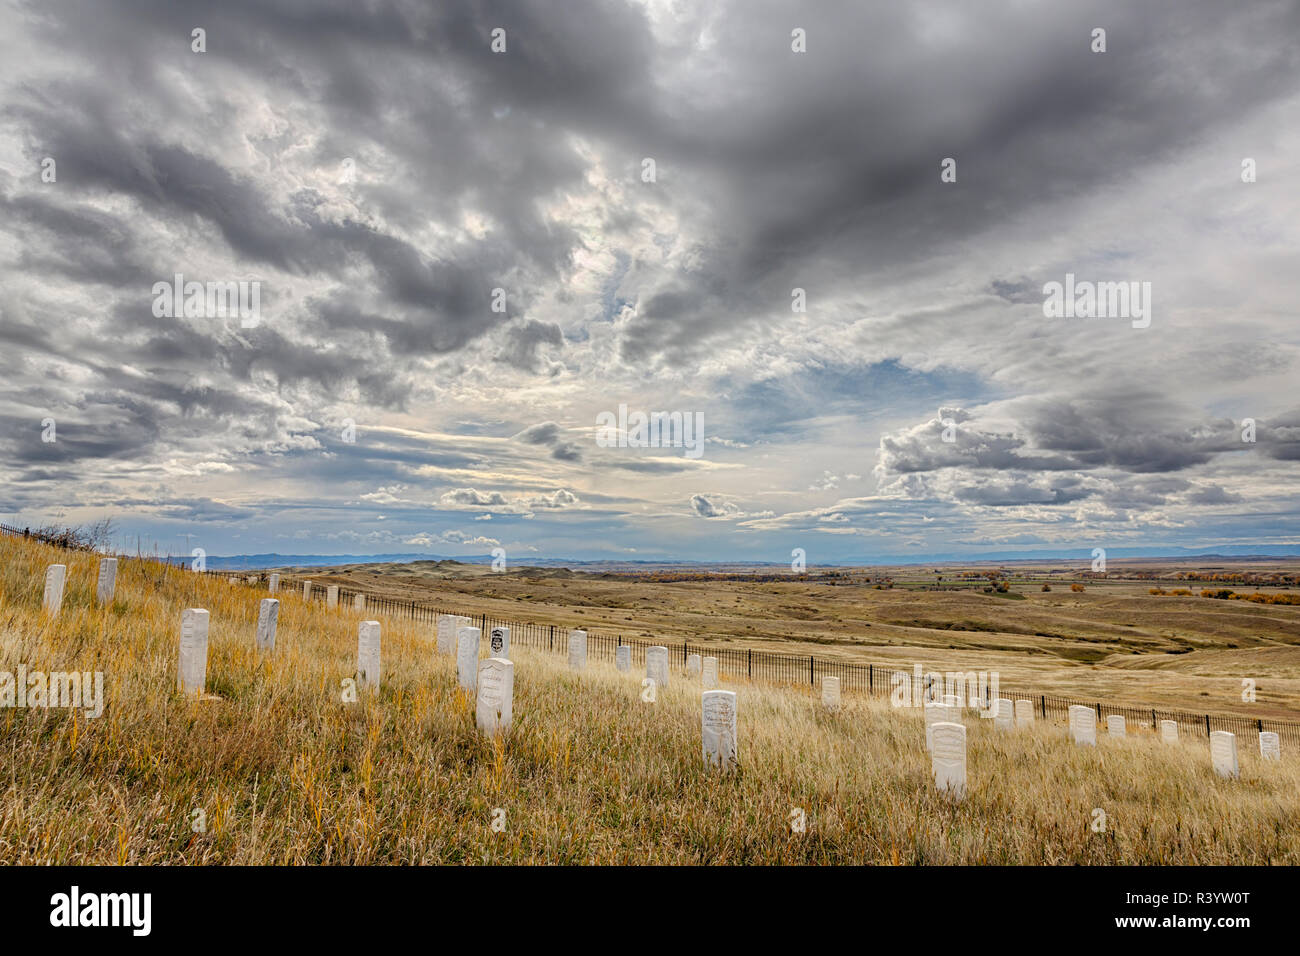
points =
(478, 229)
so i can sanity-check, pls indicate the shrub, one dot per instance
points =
(1047, 587)
(1156, 591)
(1076, 587)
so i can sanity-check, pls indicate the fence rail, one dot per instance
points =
(765, 666)
(794, 669)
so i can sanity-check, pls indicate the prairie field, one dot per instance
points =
(1113, 641)
(271, 766)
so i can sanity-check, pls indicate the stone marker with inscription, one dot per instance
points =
(107, 583)
(467, 645)
(193, 670)
(268, 617)
(1223, 751)
(55, 576)
(948, 757)
(496, 689)
(332, 596)
(1169, 731)
(577, 650)
(718, 726)
(693, 665)
(446, 633)
(656, 665)
(1116, 725)
(273, 584)
(623, 657)
(709, 673)
(369, 666)
(1083, 725)
(448, 626)
(831, 693)
(1024, 712)
(306, 590)
(1270, 747)
(359, 603)
(1005, 719)
(499, 642)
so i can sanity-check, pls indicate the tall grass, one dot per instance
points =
(284, 772)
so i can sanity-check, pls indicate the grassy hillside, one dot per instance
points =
(285, 772)
(1114, 641)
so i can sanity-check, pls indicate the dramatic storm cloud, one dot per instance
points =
(821, 232)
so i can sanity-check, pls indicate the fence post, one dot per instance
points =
(812, 681)
(1154, 725)
(1259, 725)
(1207, 725)
(750, 666)
(1042, 703)
(552, 637)
(1098, 711)
(871, 679)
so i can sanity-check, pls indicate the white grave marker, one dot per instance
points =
(107, 583)
(448, 626)
(656, 665)
(952, 700)
(577, 650)
(467, 644)
(359, 603)
(709, 673)
(1083, 725)
(193, 670)
(268, 616)
(1116, 726)
(369, 667)
(306, 590)
(499, 642)
(1024, 713)
(948, 757)
(831, 693)
(273, 584)
(693, 665)
(55, 575)
(446, 631)
(718, 725)
(1270, 748)
(1223, 750)
(1005, 718)
(623, 657)
(1169, 731)
(332, 596)
(496, 690)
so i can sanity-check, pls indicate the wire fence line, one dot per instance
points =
(766, 666)
(793, 669)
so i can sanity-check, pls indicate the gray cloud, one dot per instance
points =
(469, 171)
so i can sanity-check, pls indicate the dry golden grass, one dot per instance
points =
(287, 773)
(1113, 642)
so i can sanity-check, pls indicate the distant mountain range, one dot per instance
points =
(1227, 552)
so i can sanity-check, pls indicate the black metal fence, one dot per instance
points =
(793, 669)
(789, 669)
